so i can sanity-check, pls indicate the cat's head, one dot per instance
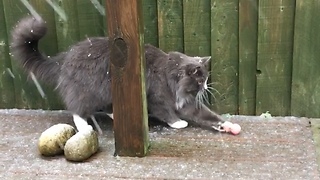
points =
(193, 74)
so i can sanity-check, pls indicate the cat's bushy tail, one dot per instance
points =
(24, 48)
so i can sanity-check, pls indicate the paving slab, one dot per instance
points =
(267, 148)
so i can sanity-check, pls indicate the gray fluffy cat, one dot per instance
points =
(175, 82)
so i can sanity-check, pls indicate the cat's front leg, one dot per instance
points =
(164, 111)
(201, 116)
(169, 117)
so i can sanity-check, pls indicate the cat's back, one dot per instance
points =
(95, 48)
(87, 62)
(155, 56)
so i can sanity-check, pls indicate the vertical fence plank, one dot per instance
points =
(306, 60)
(275, 48)
(170, 25)
(90, 19)
(67, 30)
(196, 18)
(48, 45)
(224, 49)
(104, 18)
(127, 68)
(26, 93)
(49, 42)
(150, 21)
(7, 98)
(248, 29)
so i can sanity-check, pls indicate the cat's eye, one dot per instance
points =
(195, 71)
(199, 73)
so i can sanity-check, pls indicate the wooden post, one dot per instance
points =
(125, 28)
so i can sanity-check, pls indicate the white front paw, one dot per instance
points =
(178, 124)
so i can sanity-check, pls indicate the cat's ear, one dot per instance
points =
(205, 60)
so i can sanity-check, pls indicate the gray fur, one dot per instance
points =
(82, 77)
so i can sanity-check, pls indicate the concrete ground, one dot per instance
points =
(267, 148)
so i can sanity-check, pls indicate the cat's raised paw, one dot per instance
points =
(178, 124)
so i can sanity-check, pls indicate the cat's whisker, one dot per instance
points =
(201, 101)
(198, 100)
(213, 83)
(211, 93)
(214, 89)
(205, 97)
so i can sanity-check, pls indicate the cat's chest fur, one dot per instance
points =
(162, 74)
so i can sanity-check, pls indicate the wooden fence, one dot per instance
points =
(265, 53)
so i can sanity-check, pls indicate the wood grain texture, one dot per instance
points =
(306, 55)
(128, 81)
(275, 49)
(225, 56)
(7, 97)
(170, 25)
(248, 36)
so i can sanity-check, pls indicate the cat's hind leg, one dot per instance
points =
(80, 123)
(96, 124)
